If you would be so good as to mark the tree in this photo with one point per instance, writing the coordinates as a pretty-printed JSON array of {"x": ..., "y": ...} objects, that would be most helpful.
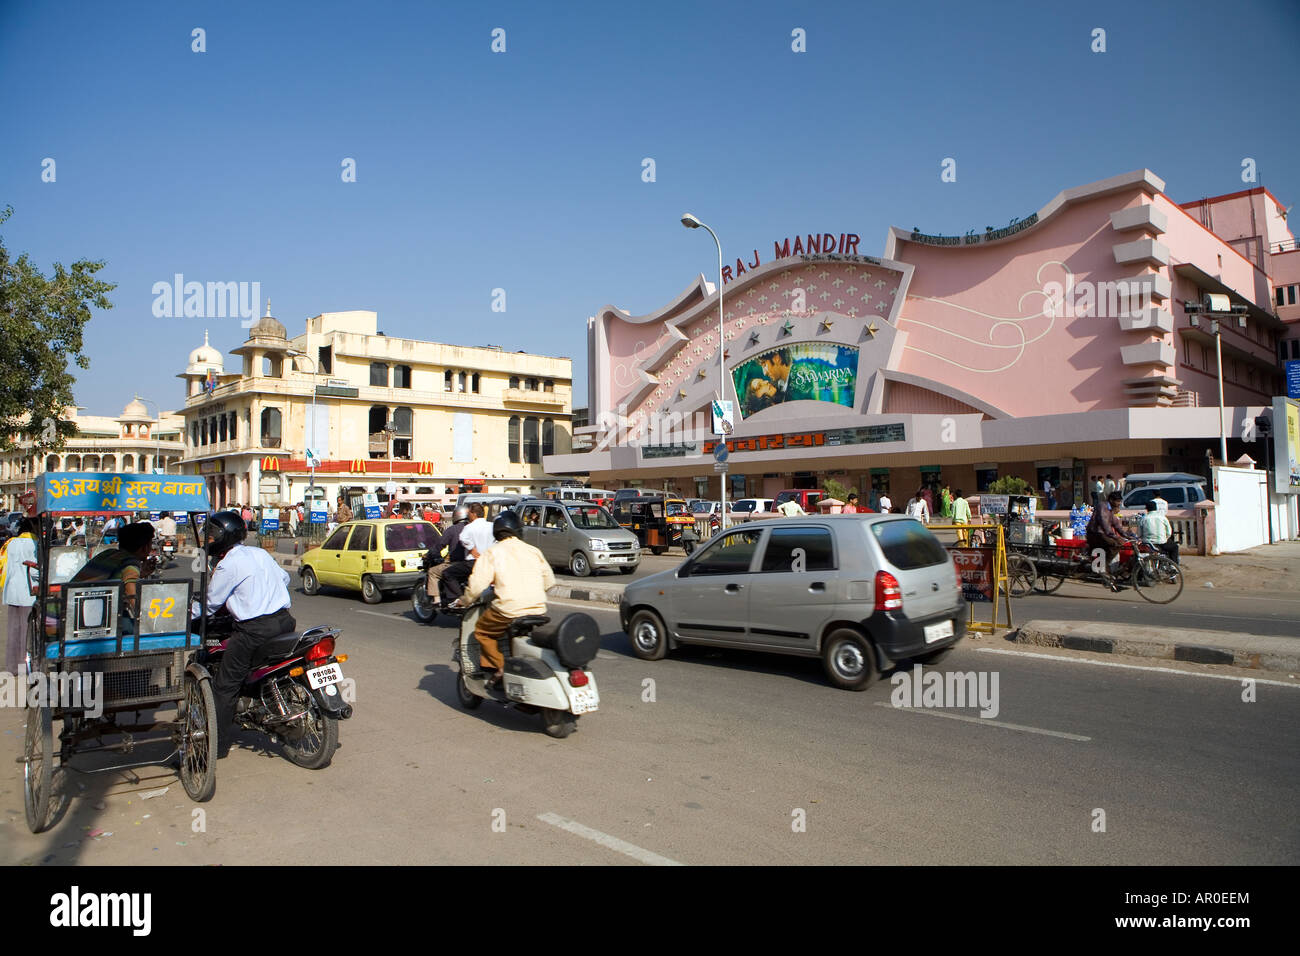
[
  {"x": 835, "y": 490},
  {"x": 1010, "y": 485},
  {"x": 41, "y": 324}
]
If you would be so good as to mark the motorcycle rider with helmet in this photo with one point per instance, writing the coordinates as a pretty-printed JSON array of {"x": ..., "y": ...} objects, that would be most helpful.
[
  {"x": 520, "y": 576},
  {"x": 255, "y": 592},
  {"x": 449, "y": 541}
]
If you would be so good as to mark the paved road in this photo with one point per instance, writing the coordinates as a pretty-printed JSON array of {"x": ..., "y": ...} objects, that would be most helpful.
[{"x": 714, "y": 766}]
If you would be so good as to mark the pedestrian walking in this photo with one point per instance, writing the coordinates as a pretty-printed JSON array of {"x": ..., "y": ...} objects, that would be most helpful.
[
  {"x": 17, "y": 593},
  {"x": 885, "y": 504},
  {"x": 961, "y": 515}
]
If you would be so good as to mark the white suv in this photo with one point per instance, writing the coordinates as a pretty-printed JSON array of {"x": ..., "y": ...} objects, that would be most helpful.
[{"x": 751, "y": 505}]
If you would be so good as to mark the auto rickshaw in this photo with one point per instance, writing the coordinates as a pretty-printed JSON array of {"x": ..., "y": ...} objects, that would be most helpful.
[{"x": 658, "y": 521}]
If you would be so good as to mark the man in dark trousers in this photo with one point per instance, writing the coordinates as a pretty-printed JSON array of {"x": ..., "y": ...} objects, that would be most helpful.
[{"x": 255, "y": 591}]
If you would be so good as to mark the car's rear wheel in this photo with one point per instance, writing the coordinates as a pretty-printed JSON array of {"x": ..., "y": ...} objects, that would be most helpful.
[
  {"x": 310, "y": 584},
  {"x": 849, "y": 659},
  {"x": 370, "y": 592},
  {"x": 649, "y": 639}
]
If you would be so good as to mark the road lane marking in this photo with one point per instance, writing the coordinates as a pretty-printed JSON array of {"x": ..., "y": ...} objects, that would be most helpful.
[
  {"x": 1134, "y": 667},
  {"x": 605, "y": 840},
  {"x": 984, "y": 722},
  {"x": 586, "y": 605},
  {"x": 390, "y": 617}
]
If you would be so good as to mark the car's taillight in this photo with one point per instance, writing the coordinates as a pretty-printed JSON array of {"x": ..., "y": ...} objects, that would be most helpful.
[
  {"x": 889, "y": 596},
  {"x": 577, "y": 678},
  {"x": 388, "y": 566},
  {"x": 321, "y": 650},
  {"x": 957, "y": 571}
]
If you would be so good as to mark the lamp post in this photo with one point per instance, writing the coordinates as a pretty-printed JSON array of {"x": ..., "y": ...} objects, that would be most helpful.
[
  {"x": 1215, "y": 306},
  {"x": 691, "y": 222},
  {"x": 311, "y": 458}
]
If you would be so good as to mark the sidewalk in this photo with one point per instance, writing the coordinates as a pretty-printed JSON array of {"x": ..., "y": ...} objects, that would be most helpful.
[{"x": 1269, "y": 567}]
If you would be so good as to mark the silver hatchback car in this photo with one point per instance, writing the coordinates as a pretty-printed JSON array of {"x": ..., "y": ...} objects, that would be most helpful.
[
  {"x": 859, "y": 591},
  {"x": 578, "y": 535}
]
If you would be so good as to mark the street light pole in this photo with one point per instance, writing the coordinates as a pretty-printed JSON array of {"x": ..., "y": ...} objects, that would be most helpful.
[
  {"x": 1218, "y": 364},
  {"x": 691, "y": 222}
]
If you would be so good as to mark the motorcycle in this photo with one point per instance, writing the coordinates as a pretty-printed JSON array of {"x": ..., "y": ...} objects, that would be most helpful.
[
  {"x": 426, "y": 610},
  {"x": 294, "y": 691},
  {"x": 545, "y": 669}
]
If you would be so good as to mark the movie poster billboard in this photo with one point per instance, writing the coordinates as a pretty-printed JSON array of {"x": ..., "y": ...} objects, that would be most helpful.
[
  {"x": 800, "y": 371},
  {"x": 1286, "y": 446}
]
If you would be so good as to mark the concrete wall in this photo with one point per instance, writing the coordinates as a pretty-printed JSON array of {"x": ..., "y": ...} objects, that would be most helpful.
[{"x": 1241, "y": 516}]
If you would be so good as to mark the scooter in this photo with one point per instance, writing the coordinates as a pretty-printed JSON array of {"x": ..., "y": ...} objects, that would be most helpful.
[
  {"x": 545, "y": 670},
  {"x": 426, "y": 608}
]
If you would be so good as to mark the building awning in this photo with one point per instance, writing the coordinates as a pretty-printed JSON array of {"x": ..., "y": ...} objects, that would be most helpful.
[{"x": 1214, "y": 284}]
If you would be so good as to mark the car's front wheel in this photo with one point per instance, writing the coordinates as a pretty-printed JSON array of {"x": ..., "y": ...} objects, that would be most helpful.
[
  {"x": 849, "y": 659},
  {"x": 579, "y": 566},
  {"x": 649, "y": 639}
]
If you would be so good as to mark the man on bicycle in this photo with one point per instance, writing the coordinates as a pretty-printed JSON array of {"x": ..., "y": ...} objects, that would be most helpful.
[{"x": 1106, "y": 532}]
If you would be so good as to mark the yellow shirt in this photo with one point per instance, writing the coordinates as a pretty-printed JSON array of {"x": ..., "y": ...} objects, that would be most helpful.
[{"x": 519, "y": 574}]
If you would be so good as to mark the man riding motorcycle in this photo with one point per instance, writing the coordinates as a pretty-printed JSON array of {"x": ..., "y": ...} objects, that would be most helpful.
[
  {"x": 520, "y": 576},
  {"x": 450, "y": 541},
  {"x": 475, "y": 538},
  {"x": 255, "y": 592}
]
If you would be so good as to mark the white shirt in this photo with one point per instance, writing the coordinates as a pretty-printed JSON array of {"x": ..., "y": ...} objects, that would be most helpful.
[
  {"x": 249, "y": 583},
  {"x": 917, "y": 508},
  {"x": 885, "y": 504},
  {"x": 167, "y": 526},
  {"x": 477, "y": 535}
]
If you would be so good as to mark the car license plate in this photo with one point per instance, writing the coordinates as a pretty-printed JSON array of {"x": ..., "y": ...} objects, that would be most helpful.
[
  {"x": 585, "y": 700},
  {"x": 320, "y": 676},
  {"x": 937, "y": 632}
]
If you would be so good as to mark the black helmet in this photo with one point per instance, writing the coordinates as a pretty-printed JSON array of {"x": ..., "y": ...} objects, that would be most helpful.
[
  {"x": 507, "y": 525},
  {"x": 223, "y": 531},
  {"x": 460, "y": 514}
]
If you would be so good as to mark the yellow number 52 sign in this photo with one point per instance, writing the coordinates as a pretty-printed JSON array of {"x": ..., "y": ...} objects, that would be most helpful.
[{"x": 165, "y": 607}]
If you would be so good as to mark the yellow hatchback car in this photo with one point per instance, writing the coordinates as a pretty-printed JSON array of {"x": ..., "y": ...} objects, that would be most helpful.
[{"x": 371, "y": 556}]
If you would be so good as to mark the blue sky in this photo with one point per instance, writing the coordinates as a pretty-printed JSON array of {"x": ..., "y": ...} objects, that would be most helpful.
[{"x": 523, "y": 170}]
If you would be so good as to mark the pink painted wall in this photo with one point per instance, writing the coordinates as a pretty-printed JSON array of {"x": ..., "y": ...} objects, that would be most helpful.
[{"x": 1060, "y": 363}]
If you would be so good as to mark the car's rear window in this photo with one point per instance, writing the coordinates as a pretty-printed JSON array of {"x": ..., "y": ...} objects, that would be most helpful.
[
  {"x": 677, "y": 508},
  {"x": 908, "y": 545},
  {"x": 409, "y": 536}
]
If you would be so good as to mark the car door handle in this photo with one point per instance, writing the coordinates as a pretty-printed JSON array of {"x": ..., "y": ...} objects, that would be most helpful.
[
  {"x": 734, "y": 588},
  {"x": 818, "y": 586}
]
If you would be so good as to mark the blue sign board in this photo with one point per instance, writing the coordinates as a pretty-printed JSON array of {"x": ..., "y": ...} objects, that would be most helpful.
[
  {"x": 1293, "y": 379},
  {"x": 320, "y": 517},
  {"x": 106, "y": 492},
  {"x": 270, "y": 524}
]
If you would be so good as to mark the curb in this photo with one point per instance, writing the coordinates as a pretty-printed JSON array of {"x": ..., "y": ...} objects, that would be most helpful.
[
  {"x": 593, "y": 595},
  {"x": 1234, "y": 649}
]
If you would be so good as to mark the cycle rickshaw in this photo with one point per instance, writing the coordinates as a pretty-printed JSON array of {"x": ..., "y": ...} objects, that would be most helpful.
[{"x": 96, "y": 658}]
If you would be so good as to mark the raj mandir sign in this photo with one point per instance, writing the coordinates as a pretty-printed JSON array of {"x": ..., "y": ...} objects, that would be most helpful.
[{"x": 825, "y": 244}]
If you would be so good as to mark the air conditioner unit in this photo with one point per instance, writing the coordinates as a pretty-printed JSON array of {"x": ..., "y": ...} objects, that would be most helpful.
[{"x": 1216, "y": 302}]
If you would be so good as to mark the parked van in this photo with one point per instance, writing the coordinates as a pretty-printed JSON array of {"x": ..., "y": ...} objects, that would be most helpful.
[{"x": 578, "y": 535}]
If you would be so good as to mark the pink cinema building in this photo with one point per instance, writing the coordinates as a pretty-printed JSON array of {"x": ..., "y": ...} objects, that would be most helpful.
[{"x": 1055, "y": 348}]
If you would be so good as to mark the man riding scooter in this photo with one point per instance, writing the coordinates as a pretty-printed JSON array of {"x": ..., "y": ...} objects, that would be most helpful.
[
  {"x": 456, "y": 552},
  {"x": 255, "y": 592},
  {"x": 520, "y": 576}
]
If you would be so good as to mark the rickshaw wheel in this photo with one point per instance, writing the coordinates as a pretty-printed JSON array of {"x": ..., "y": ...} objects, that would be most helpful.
[
  {"x": 199, "y": 740},
  {"x": 38, "y": 759}
]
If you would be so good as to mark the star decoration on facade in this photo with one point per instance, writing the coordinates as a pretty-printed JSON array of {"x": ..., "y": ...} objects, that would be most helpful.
[
  {"x": 787, "y": 328},
  {"x": 753, "y": 338},
  {"x": 726, "y": 354},
  {"x": 681, "y": 393},
  {"x": 871, "y": 329},
  {"x": 704, "y": 370},
  {"x": 826, "y": 324}
]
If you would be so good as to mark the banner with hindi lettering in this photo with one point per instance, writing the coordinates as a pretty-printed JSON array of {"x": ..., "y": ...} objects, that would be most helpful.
[
  {"x": 975, "y": 567},
  {"x": 112, "y": 493}
]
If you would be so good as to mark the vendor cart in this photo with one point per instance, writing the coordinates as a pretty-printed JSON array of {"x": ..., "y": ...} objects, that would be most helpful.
[{"x": 101, "y": 662}]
